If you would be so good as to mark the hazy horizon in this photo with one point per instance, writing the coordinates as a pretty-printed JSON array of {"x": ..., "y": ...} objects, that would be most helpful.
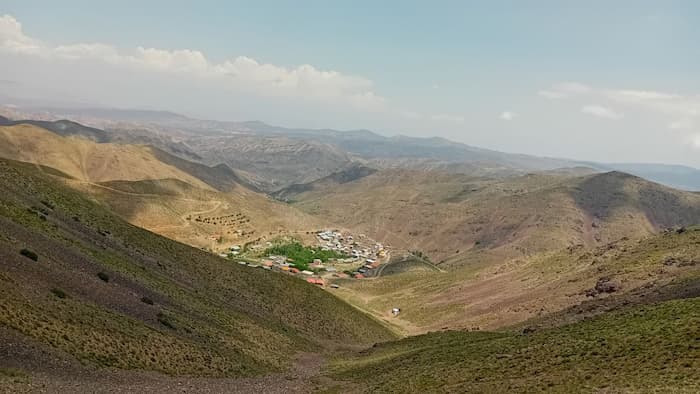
[{"x": 606, "y": 83}]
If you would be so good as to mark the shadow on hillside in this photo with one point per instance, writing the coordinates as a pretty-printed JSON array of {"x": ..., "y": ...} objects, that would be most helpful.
[{"x": 601, "y": 195}]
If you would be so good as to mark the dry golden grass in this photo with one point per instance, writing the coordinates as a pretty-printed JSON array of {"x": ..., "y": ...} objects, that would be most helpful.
[
  {"x": 86, "y": 160},
  {"x": 133, "y": 182}
]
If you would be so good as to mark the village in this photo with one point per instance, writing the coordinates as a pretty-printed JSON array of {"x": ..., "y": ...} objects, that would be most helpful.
[{"x": 336, "y": 255}]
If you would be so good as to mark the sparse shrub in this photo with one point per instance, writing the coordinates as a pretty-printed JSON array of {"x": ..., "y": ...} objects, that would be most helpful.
[
  {"x": 163, "y": 319},
  {"x": 147, "y": 300},
  {"x": 59, "y": 293},
  {"x": 47, "y": 204},
  {"x": 29, "y": 254},
  {"x": 104, "y": 277}
]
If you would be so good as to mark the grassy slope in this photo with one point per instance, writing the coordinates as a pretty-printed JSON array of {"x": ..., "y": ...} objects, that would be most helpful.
[
  {"x": 209, "y": 317},
  {"x": 653, "y": 348}
]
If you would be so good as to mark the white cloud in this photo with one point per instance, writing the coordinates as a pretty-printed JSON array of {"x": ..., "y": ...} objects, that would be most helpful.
[
  {"x": 679, "y": 106},
  {"x": 695, "y": 141},
  {"x": 304, "y": 81},
  {"x": 507, "y": 115},
  {"x": 601, "y": 112},
  {"x": 640, "y": 95},
  {"x": 682, "y": 124},
  {"x": 12, "y": 39},
  {"x": 677, "y": 112}
]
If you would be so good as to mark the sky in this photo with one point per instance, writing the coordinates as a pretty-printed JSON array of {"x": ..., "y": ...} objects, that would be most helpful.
[{"x": 610, "y": 81}]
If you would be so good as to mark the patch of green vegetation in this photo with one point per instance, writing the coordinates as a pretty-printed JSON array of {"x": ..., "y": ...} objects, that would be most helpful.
[
  {"x": 301, "y": 255},
  {"x": 13, "y": 375},
  {"x": 103, "y": 277},
  {"x": 653, "y": 348},
  {"x": 11, "y": 372},
  {"x": 59, "y": 293},
  {"x": 166, "y": 321}
]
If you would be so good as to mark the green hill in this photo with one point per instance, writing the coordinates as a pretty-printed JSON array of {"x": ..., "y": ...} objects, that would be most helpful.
[
  {"x": 653, "y": 348},
  {"x": 77, "y": 279}
]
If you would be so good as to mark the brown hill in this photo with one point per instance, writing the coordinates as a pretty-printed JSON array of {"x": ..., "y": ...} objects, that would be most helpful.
[
  {"x": 458, "y": 219},
  {"x": 202, "y": 206},
  {"x": 349, "y": 174},
  {"x": 87, "y": 160},
  {"x": 201, "y": 217},
  {"x": 552, "y": 288},
  {"x": 272, "y": 162}
]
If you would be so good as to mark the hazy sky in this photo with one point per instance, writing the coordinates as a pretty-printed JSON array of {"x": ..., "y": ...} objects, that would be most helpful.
[{"x": 598, "y": 80}]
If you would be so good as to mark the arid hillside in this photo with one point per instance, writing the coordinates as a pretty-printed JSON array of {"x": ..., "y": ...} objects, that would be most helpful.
[
  {"x": 458, "y": 220},
  {"x": 497, "y": 295},
  {"x": 210, "y": 207},
  {"x": 272, "y": 162},
  {"x": 85, "y": 159},
  {"x": 201, "y": 217}
]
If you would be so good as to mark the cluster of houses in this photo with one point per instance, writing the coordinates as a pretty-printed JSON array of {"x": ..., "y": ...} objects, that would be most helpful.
[
  {"x": 363, "y": 256},
  {"x": 280, "y": 263},
  {"x": 361, "y": 249},
  {"x": 358, "y": 248}
]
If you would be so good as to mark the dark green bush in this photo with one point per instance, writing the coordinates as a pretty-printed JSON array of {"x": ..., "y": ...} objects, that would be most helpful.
[
  {"x": 59, "y": 293},
  {"x": 147, "y": 300},
  {"x": 163, "y": 319},
  {"x": 29, "y": 254},
  {"x": 104, "y": 277}
]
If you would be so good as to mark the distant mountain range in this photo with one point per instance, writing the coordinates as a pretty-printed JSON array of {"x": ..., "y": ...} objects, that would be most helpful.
[{"x": 273, "y": 157}]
